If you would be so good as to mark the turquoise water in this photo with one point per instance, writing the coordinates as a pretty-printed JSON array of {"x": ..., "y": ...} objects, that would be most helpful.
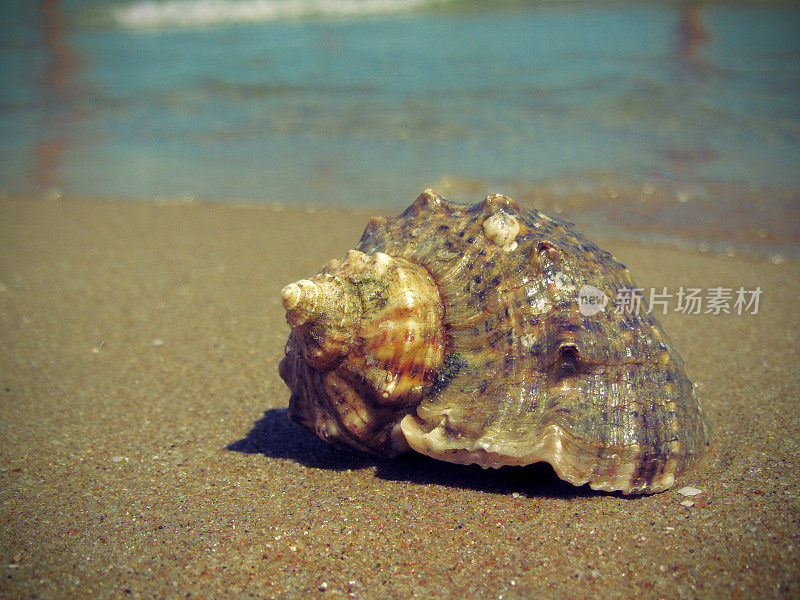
[{"x": 366, "y": 102}]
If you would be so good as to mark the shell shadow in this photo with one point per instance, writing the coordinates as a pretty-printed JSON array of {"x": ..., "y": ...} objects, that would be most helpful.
[
  {"x": 276, "y": 436},
  {"x": 533, "y": 481}
]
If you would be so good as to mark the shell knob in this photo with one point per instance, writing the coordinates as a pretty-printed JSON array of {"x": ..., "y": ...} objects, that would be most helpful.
[{"x": 502, "y": 229}]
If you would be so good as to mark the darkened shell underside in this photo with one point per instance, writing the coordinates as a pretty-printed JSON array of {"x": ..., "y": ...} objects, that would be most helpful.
[{"x": 522, "y": 375}]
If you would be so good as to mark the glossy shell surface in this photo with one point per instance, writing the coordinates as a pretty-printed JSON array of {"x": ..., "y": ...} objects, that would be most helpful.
[{"x": 459, "y": 332}]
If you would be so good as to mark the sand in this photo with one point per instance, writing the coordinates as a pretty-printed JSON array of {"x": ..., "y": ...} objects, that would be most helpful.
[{"x": 145, "y": 450}]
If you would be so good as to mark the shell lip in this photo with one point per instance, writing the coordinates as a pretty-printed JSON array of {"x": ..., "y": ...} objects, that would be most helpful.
[{"x": 561, "y": 449}]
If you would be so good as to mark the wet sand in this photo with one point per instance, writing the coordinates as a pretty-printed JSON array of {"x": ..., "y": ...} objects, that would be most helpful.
[{"x": 145, "y": 450}]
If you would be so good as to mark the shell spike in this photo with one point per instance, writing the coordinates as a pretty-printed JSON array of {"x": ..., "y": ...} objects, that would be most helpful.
[
  {"x": 355, "y": 259},
  {"x": 498, "y": 202},
  {"x": 427, "y": 201},
  {"x": 375, "y": 224}
]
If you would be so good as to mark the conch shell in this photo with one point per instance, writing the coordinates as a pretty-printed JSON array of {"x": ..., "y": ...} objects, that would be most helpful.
[{"x": 458, "y": 332}]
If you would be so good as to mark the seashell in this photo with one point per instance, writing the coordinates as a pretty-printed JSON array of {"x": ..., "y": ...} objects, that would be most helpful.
[{"x": 459, "y": 332}]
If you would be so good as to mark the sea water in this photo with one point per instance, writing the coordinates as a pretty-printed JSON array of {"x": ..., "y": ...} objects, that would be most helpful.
[{"x": 693, "y": 109}]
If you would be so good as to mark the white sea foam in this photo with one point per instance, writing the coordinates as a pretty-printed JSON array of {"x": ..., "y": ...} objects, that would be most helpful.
[{"x": 203, "y": 13}]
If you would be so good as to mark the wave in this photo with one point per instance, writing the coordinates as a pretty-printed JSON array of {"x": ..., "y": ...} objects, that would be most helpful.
[{"x": 153, "y": 14}]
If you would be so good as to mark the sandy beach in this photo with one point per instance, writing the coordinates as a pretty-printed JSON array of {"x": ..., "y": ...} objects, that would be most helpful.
[{"x": 145, "y": 450}]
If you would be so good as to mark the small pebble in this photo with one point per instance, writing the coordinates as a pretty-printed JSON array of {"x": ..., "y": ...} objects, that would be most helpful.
[
  {"x": 323, "y": 586},
  {"x": 54, "y": 193},
  {"x": 687, "y": 503},
  {"x": 689, "y": 491},
  {"x": 777, "y": 259}
]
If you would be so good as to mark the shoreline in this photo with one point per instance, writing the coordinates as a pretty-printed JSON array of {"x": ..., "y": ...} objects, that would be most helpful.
[
  {"x": 144, "y": 445},
  {"x": 607, "y": 213}
]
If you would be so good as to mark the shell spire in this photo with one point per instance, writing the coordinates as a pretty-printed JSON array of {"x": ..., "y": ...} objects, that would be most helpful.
[
  {"x": 299, "y": 301},
  {"x": 369, "y": 331}
]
